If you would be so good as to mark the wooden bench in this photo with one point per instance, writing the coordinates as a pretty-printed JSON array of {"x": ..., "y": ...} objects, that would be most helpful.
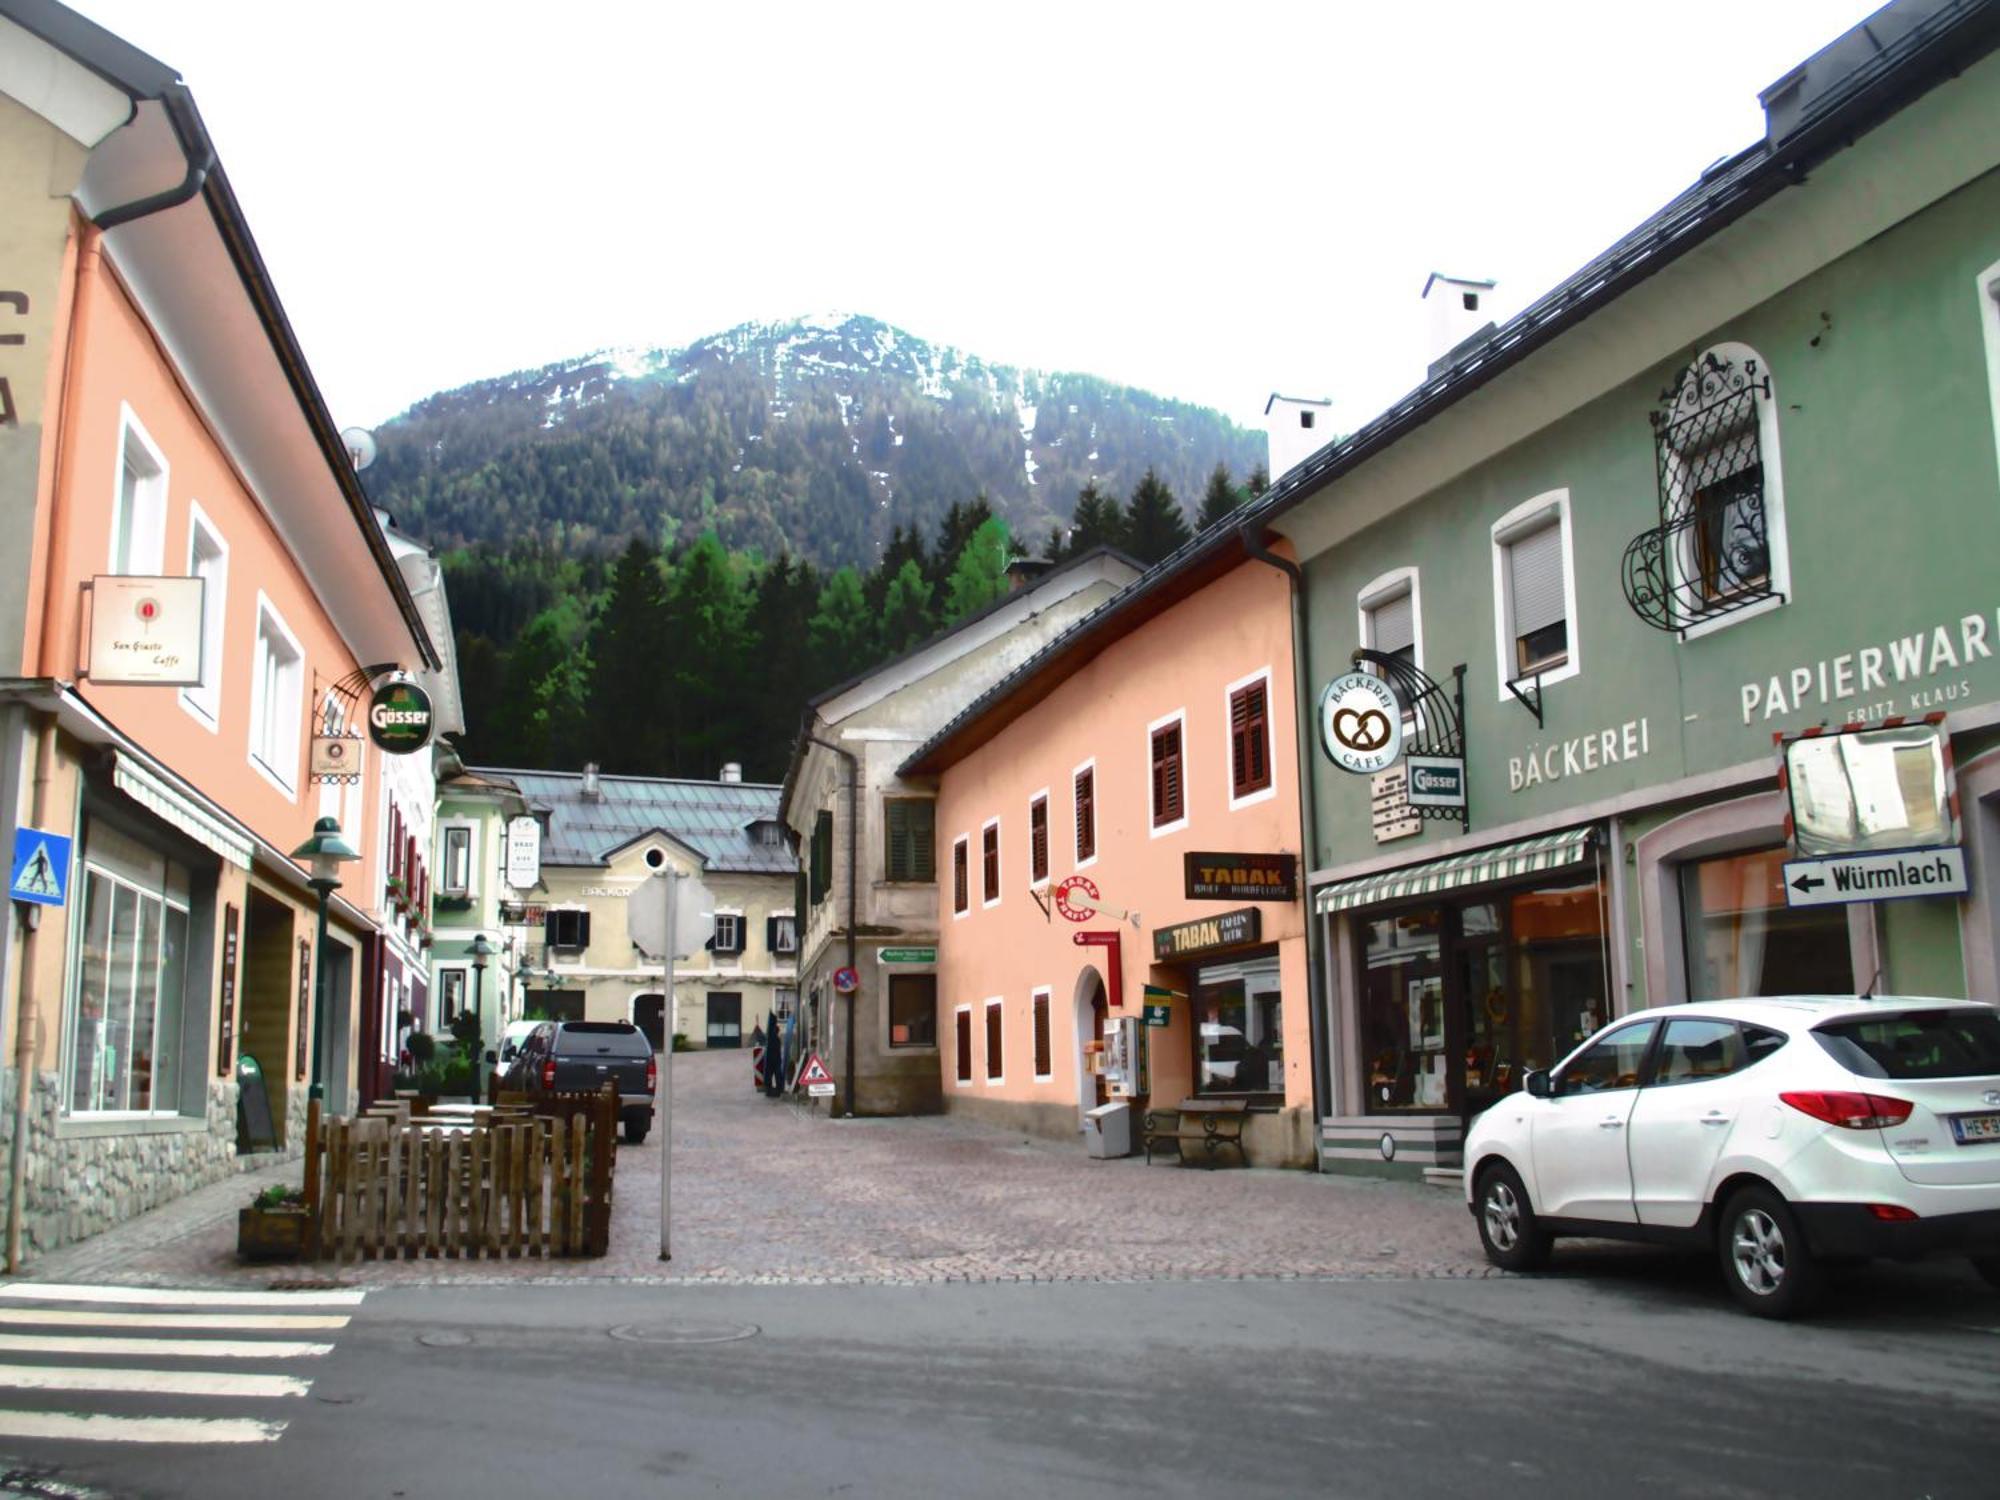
[{"x": 1209, "y": 1125}]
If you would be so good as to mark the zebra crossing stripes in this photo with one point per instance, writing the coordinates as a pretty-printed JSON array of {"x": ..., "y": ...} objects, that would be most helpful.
[{"x": 157, "y": 1365}]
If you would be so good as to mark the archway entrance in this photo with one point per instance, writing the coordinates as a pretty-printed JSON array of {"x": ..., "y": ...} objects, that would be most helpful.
[{"x": 1091, "y": 1008}]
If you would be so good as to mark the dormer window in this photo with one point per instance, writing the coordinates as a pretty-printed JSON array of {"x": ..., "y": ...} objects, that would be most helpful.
[
  {"x": 1306, "y": 418},
  {"x": 1471, "y": 301}
]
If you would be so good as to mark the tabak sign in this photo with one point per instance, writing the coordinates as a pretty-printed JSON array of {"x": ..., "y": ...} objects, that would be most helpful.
[
  {"x": 1230, "y": 929},
  {"x": 400, "y": 717},
  {"x": 1242, "y": 877}
]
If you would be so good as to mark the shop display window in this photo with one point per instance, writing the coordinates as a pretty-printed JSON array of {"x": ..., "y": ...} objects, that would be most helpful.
[
  {"x": 1239, "y": 1033},
  {"x": 913, "y": 1010},
  {"x": 129, "y": 981},
  {"x": 1742, "y": 939}
]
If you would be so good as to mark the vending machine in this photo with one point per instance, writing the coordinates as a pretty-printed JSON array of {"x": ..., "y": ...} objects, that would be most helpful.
[{"x": 1124, "y": 1057}]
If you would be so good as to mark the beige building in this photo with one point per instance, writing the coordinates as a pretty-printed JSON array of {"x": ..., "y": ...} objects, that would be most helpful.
[{"x": 604, "y": 839}]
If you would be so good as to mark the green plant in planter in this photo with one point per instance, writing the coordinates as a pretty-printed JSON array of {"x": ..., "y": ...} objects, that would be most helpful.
[
  {"x": 277, "y": 1195},
  {"x": 423, "y": 1047},
  {"x": 681, "y": 1042}
]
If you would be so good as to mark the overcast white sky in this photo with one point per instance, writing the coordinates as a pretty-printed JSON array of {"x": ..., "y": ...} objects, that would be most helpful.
[{"x": 1210, "y": 201}]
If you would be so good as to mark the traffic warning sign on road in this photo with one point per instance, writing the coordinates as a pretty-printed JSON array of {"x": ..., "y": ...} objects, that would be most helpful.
[{"x": 814, "y": 1076}]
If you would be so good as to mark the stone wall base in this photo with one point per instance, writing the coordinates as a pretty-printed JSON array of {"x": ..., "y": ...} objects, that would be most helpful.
[{"x": 1281, "y": 1139}]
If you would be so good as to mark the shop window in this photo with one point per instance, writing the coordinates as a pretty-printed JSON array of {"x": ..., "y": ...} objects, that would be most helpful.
[
  {"x": 989, "y": 863},
  {"x": 1615, "y": 1062},
  {"x": 1085, "y": 793},
  {"x": 1534, "y": 593},
  {"x": 1168, "y": 780},
  {"x": 139, "y": 510},
  {"x": 1742, "y": 939},
  {"x": 126, "y": 1006},
  {"x": 961, "y": 884},
  {"x": 1239, "y": 1040},
  {"x": 1249, "y": 739},
  {"x": 208, "y": 560},
  {"x": 1044, "y": 1052},
  {"x": 910, "y": 827},
  {"x": 962, "y": 1041},
  {"x": 995, "y": 1059},
  {"x": 277, "y": 702},
  {"x": 1038, "y": 838},
  {"x": 913, "y": 1010},
  {"x": 457, "y": 860}
]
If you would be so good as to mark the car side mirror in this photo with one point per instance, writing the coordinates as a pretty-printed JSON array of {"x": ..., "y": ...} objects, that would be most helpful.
[{"x": 1538, "y": 1083}]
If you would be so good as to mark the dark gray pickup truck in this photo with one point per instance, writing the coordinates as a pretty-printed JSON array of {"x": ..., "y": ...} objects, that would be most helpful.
[{"x": 580, "y": 1057}]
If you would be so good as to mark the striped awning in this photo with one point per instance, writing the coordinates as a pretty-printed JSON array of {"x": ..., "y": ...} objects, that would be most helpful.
[
  {"x": 1551, "y": 851},
  {"x": 180, "y": 809}
]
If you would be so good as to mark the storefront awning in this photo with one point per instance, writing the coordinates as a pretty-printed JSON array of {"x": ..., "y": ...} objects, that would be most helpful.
[
  {"x": 1503, "y": 862},
  {"x": 182, "y": 811}
]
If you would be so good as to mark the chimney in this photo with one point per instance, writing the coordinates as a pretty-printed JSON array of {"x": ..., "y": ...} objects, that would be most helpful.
[
  {"x": 1295, "y": 428},
  {"x": 591, "y": 790},
  {"x": 1459, "y": 309},
  {"x": 732, "y": 772}
]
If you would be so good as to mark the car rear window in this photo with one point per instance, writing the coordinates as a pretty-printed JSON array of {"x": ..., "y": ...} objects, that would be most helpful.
[
  {"x": 1916, "y": 1044},
  {"x": 601, "y": 1038}
]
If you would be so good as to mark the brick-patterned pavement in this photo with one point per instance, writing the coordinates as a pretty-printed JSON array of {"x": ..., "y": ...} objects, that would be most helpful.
[{"x": 763, "y": 1192}]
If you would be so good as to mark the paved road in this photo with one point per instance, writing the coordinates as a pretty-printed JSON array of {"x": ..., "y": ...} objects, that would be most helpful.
[{"x": 1630, "y": 1377}]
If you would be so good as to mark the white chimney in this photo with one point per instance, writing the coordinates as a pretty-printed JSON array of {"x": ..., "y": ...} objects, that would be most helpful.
[
  {"x": 591, "y": 791},
  {"x": 1458, "y": 309},
  {"x": 732, "y": 772},
  {"x": 1295, "y": 428}
]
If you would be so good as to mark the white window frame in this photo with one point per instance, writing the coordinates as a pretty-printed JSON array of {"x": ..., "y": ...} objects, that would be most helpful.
[
  {"x": 1987, "y": 284},
  {"x": 445, "y": 831},
  {"x": 999, "y": 859},
  {"x": 1046, "y": 993},
  {"x": 203, "y": 701},
  {"x": 1391, "y": 586},
  {"x": 1263, "y": 794},
  {"x": 960, "y": 913},
  {"x": 147, "y": 550},
  {"x": 971, "y": 1073},
  {"x": 1048, "y": 813},
  {"x": 1153, "y": 827},
  {"x": 1779, "y": 561},
  {"x": 445, "y": 1011},
  {"x": 82, "y": 869},
  {"x": 991, "y": 1079},
  {"x": 1528, "y": 516},
  {"x": 288, "y": 748},
  {"x": 1096, "y": 823},
  {"x": 786, "y": 915},
  {"x": 732, "y": 914}
]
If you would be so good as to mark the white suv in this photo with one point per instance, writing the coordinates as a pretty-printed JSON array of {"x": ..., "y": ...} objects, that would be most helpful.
[{"x": 1781, "y": 1132}]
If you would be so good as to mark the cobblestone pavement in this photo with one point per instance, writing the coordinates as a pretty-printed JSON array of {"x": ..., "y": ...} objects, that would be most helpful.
[{"x": 765, "y": 1192}]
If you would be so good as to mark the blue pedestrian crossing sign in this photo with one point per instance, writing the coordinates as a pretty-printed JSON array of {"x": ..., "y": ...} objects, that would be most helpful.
[{"x": 41, "y": 867}]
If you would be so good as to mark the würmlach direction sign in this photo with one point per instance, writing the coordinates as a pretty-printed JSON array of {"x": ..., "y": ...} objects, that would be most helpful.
[{"x": 1839, "y": 879}]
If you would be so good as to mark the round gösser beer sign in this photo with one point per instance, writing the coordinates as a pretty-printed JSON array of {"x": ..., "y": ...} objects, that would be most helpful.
[
  {"x": 1360, "y": 723},
  {"x": 399, "y": 717}
]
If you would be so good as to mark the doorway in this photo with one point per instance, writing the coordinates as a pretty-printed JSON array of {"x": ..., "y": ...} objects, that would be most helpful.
[
  {"x": 1091, "y": 1009},
  {"x": 649, "y": 1014},
  {"x": 269, "y": 983},
  {"x": 725, "y": 1019}
]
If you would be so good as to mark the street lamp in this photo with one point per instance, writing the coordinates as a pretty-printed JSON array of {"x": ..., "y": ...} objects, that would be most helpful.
[
  {"x": 481, "y": 951},
  {"x": 327, "y": 851}
]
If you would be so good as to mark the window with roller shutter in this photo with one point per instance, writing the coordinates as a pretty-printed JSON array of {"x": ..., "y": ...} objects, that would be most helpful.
[
  {"x": 1168, "y": 789},
  {"x": 1249, "y": 739},
  {"x": 1392, "y": 626},
  {"x": 1538, "y": 607}
]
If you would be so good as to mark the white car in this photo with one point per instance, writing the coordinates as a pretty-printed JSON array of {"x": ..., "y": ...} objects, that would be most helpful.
[{"x": 1782, "y": 1133}]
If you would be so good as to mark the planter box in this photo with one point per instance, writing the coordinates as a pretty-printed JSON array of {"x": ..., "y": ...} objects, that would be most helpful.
[{"x": 271, "y": 1233}]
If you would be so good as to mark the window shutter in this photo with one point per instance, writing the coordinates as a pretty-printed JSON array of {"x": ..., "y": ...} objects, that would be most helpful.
[
  {"x": 1167, "y": 789},
  {"x": 989, "y": 852},
  {"x": 1043, "y": 1066},
  {"x": 1038, "y": 838},
  {"x": 960, "y": 894},
  {"x": 1249, "y": 740},
  {"x": 1534, "y": 572},
  {"x": 1392, "y": 625},
  {"x": 963, "y": 1037},
  {"x": 550, "y": 935},
  {"x": 1086, "y": 814},
  {"x": 770, "y": 934},
  {"x": 923, "y": 840},
  {"x": 994, "y": 1067},
  {"x": 896, "y": 826},
  {"x": 583, "y": 929}
]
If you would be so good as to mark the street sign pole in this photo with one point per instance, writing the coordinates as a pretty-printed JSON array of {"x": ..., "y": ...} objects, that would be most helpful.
[{"x": 664, "y": 1104}]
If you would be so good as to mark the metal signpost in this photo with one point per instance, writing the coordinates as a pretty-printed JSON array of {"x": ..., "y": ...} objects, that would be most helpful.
[{"x": 660, "y": 925}]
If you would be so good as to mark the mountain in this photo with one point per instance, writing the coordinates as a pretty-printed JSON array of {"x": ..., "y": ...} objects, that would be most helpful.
[{"x": 814, "y": 436}]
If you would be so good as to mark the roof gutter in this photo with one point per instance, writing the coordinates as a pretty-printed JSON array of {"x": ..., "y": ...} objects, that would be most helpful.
[{"x": 200, "y": 162}]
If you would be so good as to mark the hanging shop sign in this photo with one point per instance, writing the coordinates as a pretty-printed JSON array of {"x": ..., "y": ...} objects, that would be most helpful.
[
  {"x": 1875, "y": 877},
  {"x": 1360, "y": 723},
  {"x": 1436, "y": 780},
  {"x": 225, "y": 1031},
  {"x": 524, "y": 852},
  {"x": 146, "y": 630},
  {"x": 1077, "y": 898},
  {"x": 1230, "y": 929},
  {"x": 400, "y": 717},
  {"x": 336, "y": 758},
  {"x": 1242, "y": 877}
]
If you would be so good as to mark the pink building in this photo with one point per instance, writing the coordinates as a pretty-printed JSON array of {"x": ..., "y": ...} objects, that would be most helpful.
[{"x": 1152, "y": 751}]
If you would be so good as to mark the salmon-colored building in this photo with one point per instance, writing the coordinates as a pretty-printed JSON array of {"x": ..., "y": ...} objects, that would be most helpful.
[
  {"x": 1151, "y": 751},
  {"x": 192, "y": 584}
]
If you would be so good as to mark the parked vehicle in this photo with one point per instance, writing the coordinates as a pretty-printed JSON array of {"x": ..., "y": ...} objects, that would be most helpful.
[
  {"x": 502, "y": 1058},
  {"x": 1782, "y": 1134},
  {"x": 580, "y": 1057}
]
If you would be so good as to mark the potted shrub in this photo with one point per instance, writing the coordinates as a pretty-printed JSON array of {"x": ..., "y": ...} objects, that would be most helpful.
[{"x": 273, "y": 1227}]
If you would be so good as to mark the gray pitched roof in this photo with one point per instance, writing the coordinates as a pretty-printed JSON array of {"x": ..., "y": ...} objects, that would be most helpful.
[{"x": 711, "y": 817}]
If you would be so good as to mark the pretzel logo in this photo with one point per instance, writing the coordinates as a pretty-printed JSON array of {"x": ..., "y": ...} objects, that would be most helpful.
[
  {"x": 1367, "y": 730},
  {"x": 1361, "y": 723}
]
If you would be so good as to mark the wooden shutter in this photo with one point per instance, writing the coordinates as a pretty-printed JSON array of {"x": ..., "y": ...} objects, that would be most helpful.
[
  {"x": 1043, "y": 1065},
  {"x": 1168, "y": 793},
  {"x": 822, "y": 856},
  {"x": 1038, "y": 839},
  {"x": 964, "y": 1041},
  {"x": 961, "y": 896},
  {"x": 994, "y": 1068},
  {"x": 1249, "y": 740},
  {"x": 1535, "y": 578},
  {"x": 989, "y": 860},
  {"x": 1086, "y": 814},
  {"x": 911, "y": 825}
]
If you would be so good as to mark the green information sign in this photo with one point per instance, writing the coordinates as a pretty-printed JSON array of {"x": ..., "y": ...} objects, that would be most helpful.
[
  {"x": 1156, "y": 1015},
  {"x": 907, "y": 955}
]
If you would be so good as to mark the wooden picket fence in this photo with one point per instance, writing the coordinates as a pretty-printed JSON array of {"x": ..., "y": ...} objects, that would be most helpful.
[{"x": 518, "y": 1182}]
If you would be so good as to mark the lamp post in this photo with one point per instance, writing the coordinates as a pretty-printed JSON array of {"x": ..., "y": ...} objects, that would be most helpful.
[
  {"x": 481, "y": 951},
  {"x": 327, "y": 851}
]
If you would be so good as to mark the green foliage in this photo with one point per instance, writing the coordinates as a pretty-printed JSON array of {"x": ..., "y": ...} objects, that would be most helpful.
[
  {"x": 1154, "y": 523},
  {"x": 681, "y": 1042},
  {"x": 277, "y": 1195},
  {"x": 1097, "y": 522},
  {"x": 840, "y": 636},
  {"x": 1220, "y": 499},
  {"x": 980, "y": 575},
  {"x": 906, "y": 609},
  {"x": 423, "y": 1047}
]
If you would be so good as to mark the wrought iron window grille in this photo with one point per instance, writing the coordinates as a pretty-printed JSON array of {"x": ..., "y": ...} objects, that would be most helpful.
[{"x": 1711, "y": 554}]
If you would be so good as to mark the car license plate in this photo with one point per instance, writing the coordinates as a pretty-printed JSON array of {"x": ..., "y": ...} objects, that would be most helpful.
[{"x": 1971, "y": 1129}]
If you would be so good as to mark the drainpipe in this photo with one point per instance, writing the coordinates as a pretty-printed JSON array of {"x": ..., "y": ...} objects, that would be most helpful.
[
  {"x": 853, "y": 886},
  {"x": 25, "y": 1019},
  {"x": 1308, "y": 820}
]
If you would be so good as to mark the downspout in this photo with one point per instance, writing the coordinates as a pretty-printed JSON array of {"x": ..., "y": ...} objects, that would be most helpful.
[
  {"x": 26, "y": 1021},
  {"x": 200, "y": 158},
  {"x": 1308, "y": 821},
  {"x": 853, "y": 888}
]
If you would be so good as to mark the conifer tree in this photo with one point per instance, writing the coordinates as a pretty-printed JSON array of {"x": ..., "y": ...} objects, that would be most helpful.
[
  {"x": 1221, "y": 498},
  {"x": 704, "y": 670},
  {"x": 1154, "y": 522},
  {"x": 1096, "y": 522},
  {"x": 840, "y": 632},
  {"x": 906, "y": 610},
  {"x": 1259, "y": 481},
  {"x": 980, "y": 575},
  {"x": 957, "y": 528},
  {"x": 630, "y": 725}
]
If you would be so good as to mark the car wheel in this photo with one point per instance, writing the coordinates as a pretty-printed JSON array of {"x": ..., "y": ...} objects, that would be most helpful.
[
  {"x": 1512, "y": 1236},
  {"x": 635, "y": 1132},
  {"x": 1988, "y": 1266},
  {"x": 1765, "y": 1261}
]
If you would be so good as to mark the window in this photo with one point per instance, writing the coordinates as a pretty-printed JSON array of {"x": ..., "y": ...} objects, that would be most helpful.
[
  {"x": 1694, "y": 1050},
  {"x": 1613, "y": 1063},
  {"x": 725, "y": 1019},
  {"x": 1534, "y": 592},
  {"x": 1470, "y": 301},
  {"x": 781, "y": 932},
  {"x": 1306, "y": 418},
  {"x": 1920, "y": 1044},
  {"x": 451, "y": 995},
  {"x": 1391, "y": 616},
  {"x": 1239, "y": 1042},
  {"x": 995, "y": 1071},
  {"x": 961, "y": 898},
  {"x": 457, "y": 860},
  {"x": 1169, "y": 792},
  {"x": 1044, "y": 1053},
  {"x": 785, "y": 1002},
  {"x": 962, "y": 1042},
  {"x": 1743, "y": 938},
  {"x": 820, "y": 863},
  {"x": 1988, "y": 288},
  {"x": 1038, "y": 838},
  {"x": 913, "y": 1010},
  {"x": 766, "y": 834},
  {"x": 989, "y": 863},
  {"x": 1085, "y": 792},
  {"x": 728, "y": 933},
  {"x": 277, "y": 699},
  {"x": 129, "y": 980},
  {"x": 139, "y": 509},
  {"x": 208, "y": 559},
  {"x": 567, "y": 928},
  {"x": 1249, "y": 738},
  {"x": 910, "y": 827}
]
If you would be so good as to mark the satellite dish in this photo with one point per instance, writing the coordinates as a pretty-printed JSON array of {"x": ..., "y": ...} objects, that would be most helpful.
[{"x": 360, "y": 445}]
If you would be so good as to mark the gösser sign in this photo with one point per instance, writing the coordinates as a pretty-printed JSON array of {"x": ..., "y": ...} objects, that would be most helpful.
[
  {"x": 1360, "y": 723},
  {"x": 399, "y": 717}
]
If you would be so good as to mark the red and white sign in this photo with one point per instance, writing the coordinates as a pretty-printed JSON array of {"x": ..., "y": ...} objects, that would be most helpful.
[
  {"x": 814, "y": 1071},
  {"x": 845, "y": 981},
  {"x": 1077, "y": 898}
]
